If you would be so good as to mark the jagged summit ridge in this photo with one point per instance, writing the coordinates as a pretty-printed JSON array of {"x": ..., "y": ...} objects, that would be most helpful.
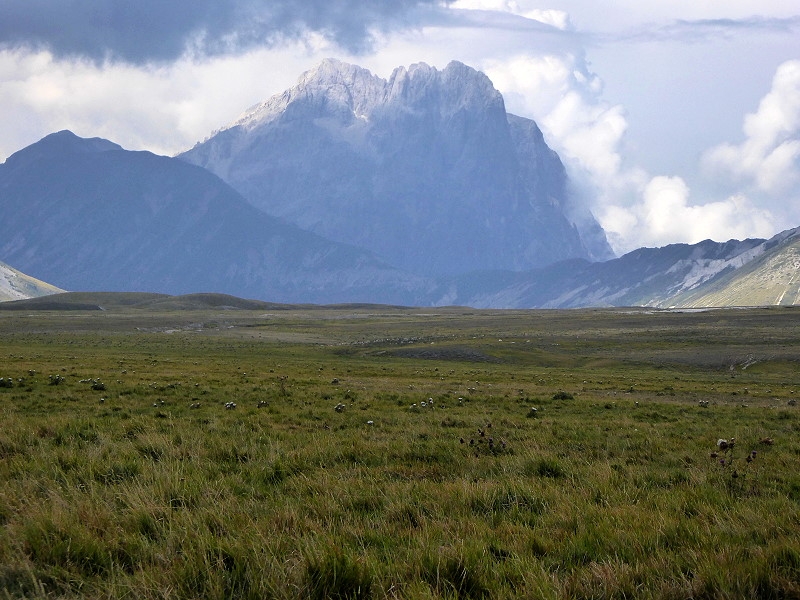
[
  {"x": 332, "y": 81},
  {"x": 352, "y": 89}
]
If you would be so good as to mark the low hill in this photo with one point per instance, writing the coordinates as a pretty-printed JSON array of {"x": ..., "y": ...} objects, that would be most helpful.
[{"x": 114, "y": 301}]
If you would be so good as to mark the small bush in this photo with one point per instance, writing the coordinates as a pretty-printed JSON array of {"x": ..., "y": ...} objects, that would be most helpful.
[{"x": 563, "y": 396}]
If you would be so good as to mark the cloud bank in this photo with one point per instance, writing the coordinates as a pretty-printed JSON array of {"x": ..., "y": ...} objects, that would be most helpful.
[
  {"x": 155, "y": 30},
  {"x": 637, "y": 208}
]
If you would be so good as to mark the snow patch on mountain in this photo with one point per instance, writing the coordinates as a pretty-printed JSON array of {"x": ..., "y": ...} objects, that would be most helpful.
[{"x": 699, "y": 270}]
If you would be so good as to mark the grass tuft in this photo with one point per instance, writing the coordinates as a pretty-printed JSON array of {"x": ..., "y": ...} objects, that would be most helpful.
[
  {"x": 333, "y": 574},
  {"x": 459, "y": 575}
]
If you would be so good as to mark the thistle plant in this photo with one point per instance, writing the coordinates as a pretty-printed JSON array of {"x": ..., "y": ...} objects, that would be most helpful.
[{"x": 736, "y": 468}]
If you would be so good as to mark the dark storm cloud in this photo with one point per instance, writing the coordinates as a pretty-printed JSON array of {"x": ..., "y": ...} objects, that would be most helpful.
[{"x": 145, "y": 30}]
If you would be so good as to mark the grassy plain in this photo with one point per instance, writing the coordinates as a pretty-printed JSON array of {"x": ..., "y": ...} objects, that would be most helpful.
[{"x": 124, "y": 475}]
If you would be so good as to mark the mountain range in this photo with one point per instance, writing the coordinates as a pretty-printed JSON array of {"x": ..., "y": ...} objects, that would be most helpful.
[
  {"x": 417, "y": 190},
  {"x": 752, "y": 272}
]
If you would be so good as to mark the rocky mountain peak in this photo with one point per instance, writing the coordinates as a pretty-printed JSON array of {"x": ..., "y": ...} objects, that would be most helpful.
[
  {"x": 425, "y": 169},
  {"x": 339, "y": 89},
  {"x": 455, "y": 88}
]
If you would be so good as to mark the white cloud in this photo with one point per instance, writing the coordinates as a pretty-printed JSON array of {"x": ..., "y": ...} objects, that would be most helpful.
[
  {"x": 589, "y": 134},
  {"x": 664, "y": 216},
  {"x": 634, "y": 207},
  {"x": 769, "y": 158},
  {"x": 555, "y": 18},
  {"x": 163, "y": 108}
]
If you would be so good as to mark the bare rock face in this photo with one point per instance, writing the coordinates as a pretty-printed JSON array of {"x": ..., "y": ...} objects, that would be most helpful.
[{"x": 425, "y": 169}]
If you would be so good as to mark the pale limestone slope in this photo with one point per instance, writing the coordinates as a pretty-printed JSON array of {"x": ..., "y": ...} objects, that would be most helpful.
[
  {"x": 15, "y": 285},
  {"x": 772, "y": 279}
]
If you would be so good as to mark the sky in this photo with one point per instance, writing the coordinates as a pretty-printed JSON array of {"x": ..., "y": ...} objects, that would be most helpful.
[{"x": 677, "y": 120}]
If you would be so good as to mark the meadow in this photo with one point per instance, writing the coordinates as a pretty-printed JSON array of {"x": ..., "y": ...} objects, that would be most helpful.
[{"x": 192, "y": 450}]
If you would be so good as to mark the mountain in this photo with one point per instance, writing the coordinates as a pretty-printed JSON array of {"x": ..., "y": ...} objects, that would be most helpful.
[
  {"x": 752, "y": 272},
  {"x": 772, "y": 278},
  {"x": 425, "y": 169},
  {"x": 85, "y": 214},
  {"x": 15, "y": 285}
]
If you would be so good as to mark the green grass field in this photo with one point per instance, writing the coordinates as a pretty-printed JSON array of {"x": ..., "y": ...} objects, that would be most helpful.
[{"x": 379, "y": 452}]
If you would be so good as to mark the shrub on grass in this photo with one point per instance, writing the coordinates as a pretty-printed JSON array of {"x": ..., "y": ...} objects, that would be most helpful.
[{"x": 56, "y": 379}]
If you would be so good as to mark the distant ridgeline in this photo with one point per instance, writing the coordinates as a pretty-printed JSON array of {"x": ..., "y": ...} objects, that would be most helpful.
[{"x": 416, "y": 190}]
